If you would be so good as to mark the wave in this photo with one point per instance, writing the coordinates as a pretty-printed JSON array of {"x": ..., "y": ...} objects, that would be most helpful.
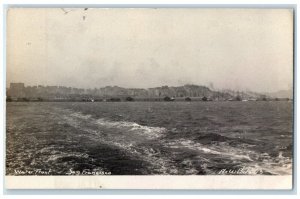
[
  {"x": 183, "y": 143},
  {"x": 54, "y": 153},
  {"x": 251, "y": 161},
  {"x": 150, "y": 132},
  {"x": 212, "y": 148},
  {"x": 55, "y": 157},
  {"x": 279, "y": 165},
  {"x": 161, "y": 164},
  {"x": 128, "y": 136},
  {"x": 80, "y": 115}
]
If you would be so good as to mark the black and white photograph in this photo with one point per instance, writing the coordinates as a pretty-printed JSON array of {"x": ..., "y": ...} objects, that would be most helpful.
[{"x": 149, "y": 92}]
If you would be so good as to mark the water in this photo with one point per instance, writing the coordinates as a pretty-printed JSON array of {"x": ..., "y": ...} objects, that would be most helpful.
[{"x": 142, "y": 138}]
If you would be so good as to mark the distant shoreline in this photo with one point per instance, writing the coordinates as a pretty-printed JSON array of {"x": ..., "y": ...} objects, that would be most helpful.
[
  {"x": 192, "y": 99},
  {"x": 189, "y": 92}
]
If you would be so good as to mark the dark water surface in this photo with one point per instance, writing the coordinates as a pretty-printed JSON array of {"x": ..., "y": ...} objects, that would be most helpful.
[{"x": 133, "y": 138}]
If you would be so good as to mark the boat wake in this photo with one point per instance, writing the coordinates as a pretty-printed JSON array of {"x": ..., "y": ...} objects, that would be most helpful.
[{"x": 176, "y": 156}]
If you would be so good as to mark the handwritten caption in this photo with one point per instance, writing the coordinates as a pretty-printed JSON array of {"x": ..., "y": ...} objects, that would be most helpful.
[
  {"x": 32, "y": 172},
  {"x": 87, "y": 172},
  {"x": 240, "y": 171},
  {"x": 69, "y": 172}
]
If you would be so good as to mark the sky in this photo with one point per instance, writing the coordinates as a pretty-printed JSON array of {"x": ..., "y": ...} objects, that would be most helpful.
[{"x": 240, "y": 49}]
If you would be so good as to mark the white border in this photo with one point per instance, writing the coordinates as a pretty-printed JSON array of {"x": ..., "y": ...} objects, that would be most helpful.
[{"x": 151, "y": 182}]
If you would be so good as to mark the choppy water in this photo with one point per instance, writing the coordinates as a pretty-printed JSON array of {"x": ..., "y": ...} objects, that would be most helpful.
[{"x": 134, "y": 138}]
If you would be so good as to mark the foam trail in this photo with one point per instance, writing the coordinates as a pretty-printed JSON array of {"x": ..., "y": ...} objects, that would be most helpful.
[
  {"x": 160, "y": 164},
  {"x": 148, "y": 131}
]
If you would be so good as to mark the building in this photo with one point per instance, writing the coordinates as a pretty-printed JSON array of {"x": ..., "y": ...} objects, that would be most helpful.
[{"x": 17, "y": 90}]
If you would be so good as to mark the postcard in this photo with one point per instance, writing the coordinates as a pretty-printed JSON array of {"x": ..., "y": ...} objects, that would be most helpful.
[{"x": 149, "y": 98}]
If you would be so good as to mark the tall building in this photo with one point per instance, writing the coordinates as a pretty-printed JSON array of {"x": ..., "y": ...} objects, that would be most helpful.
[{"x": 17, "y": 90}]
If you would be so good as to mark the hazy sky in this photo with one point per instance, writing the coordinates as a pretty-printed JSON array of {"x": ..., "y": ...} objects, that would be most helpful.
[{"x": 245, "y": 49}]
